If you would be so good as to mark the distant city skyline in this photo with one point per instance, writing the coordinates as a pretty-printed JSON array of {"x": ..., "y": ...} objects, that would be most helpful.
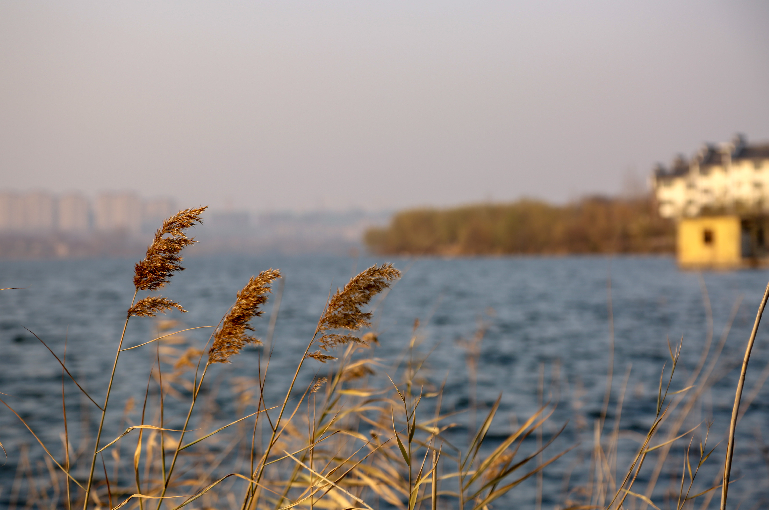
[
  {"x": 38, "y": 224},
  {"x": 302, "y": 106},
  {"x": 41, "y": 212}
]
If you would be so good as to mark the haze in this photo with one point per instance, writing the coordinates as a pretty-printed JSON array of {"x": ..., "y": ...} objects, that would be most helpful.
[{"x": 375, "y": 105}]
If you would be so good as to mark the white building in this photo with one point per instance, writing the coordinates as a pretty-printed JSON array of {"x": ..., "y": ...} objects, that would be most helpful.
[
  {"x": 74, "y": 213},
  {"x": 10, "y": 212},
  {"x": 27, "y": 212},
  {"x": 118, "y": 211},
  {"x": 731, "y": 177},
  {"x": 39, "y": 211}
]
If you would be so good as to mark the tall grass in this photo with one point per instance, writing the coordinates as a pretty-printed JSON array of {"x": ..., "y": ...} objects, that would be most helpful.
[{"x": 365, "y": 435}]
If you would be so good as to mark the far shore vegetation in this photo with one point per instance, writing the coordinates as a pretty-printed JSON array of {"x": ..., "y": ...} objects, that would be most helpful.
[{"x": 593, "y": 224}]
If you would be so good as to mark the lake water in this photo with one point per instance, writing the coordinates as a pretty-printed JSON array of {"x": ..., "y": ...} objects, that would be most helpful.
[{"x": 544, "y": 318}]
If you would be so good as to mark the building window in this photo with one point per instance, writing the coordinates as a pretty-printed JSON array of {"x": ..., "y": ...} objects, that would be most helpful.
[{"x": 707, "y": 236}]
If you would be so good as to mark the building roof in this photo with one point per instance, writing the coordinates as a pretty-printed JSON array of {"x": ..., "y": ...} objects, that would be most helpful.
[
  {"x": 755, "y": 151},
  {"x": 678, "y": 168},
  {"x": 710, "y": 155}
]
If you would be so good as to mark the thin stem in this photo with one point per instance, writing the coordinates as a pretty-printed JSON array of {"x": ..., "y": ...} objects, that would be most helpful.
[
  {"x": 276, "y": 426},
  {"x": 66, "y": 431},
  {"x": 104, "y": 407},
  {"x": 333, "y": 385},
  {"x": 195, "y": 391},
  {"x": 737, "y": 396}
]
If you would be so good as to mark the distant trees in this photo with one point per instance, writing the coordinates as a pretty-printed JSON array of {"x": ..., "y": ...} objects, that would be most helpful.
[{"x": 591, "y": 225}]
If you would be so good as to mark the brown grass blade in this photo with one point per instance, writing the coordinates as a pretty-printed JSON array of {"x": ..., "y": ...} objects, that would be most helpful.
[
  {"x": 224, "y": 427},
  {"x": 163, "y": 336},
  {"x": 641, "y": 497},
  {"x": 41, "y": 443},
  {"x": 106, "y": 477},
  {"x": 737, "y": 396},
  {"x": 65, "y": 369},
  {"x": 131, "y": 428},
  {"x": 208, "y": 488},
  {"x": 355, "y": 498},
  {"x": 503, "y": 490}
]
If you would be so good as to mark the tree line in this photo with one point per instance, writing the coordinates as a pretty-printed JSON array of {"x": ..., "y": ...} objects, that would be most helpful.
[{"x": 594, "y": 224}]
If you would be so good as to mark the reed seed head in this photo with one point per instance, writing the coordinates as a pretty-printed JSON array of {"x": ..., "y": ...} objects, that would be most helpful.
[
  {"x": 152, "y": 305},
  {"x": 162, "y": 258},
  {"x": 231, "y": 337},
  {"x": 318, "y": 355},
  {"x": 344, "y": 309},
  {"x": 185, "y": 360},
  {"x": 318, "y": 384},
  {"x": 357, "y": 371}
]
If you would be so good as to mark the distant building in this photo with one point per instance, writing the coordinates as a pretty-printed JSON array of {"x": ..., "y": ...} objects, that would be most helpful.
[
  {"x": 729, "y": 178},
  {"x": 39, "y": 211},
  {"x": 10, "y": 212},
  {"x": 118, "y": 211},
  {"x": 74, "y": 213},
  {"x": 720, "y": 199},
  {"x": 27, "y": 212}
]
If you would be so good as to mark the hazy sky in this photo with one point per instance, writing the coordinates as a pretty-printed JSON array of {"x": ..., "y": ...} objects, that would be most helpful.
[{"x": 381, "y": 105}]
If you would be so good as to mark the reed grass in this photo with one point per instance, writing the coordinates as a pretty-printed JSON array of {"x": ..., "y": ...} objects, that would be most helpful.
[{"x": 351, "y": 438}]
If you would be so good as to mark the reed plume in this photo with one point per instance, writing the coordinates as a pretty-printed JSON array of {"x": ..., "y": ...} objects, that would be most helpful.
[
  {"x": 344, "y": 307},
  {"x": 161, "y": 261},
  {"x": 163, "y": 258},
  {"x": 318, "y": 384},
  {"x": 231, "y": 337},
  {"x": 152, "y": 305}
]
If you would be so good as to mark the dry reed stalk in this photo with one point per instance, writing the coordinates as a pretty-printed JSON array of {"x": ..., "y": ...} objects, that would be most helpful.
[
  {"x": 737, "y": 396},
  {"x": 332, "y": 472},
  {"x": 66, "y": 430},
  {"x": 229, "y": 340},
  {"x": 705, "y": 384},
  {"x": 640, "y": 457},
  {"x": 690, "y": 383},
  {"x": 343, "y": 311},
  {"x": 161, "y": 261},
  {"x": 331, "y": 397}
]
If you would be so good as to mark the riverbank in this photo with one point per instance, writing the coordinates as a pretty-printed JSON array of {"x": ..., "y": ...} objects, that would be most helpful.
[{"x": 590, "y": 225}]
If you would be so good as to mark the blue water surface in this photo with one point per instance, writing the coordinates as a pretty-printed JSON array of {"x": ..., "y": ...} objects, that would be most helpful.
[{"x": 547, "y": 338}]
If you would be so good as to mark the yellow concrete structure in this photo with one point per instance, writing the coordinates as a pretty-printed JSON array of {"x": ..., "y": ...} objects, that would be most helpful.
[
  {"x": 727, "y": 241},
  {"x": 710, "y": 241}
]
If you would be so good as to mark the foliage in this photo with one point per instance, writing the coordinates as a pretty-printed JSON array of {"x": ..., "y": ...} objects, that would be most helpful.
[{"x": 591, "y": 225}]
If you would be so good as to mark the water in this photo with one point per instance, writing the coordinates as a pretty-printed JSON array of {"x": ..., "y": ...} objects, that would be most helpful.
[{"x": 544, "y": 318}]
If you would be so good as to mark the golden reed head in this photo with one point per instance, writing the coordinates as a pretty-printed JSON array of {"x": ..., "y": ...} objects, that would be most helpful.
[
  {"x": 160, "y": 262},
  {"x": 163, "y": 258},
  {"x": 231, "y": 337},
  {"x": 152, "y": 305},
  {"x": 344, "y": 309}
]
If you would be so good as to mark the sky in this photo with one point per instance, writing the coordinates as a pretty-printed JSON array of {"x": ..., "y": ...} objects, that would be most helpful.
[{"x": 335, "y": 105}]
